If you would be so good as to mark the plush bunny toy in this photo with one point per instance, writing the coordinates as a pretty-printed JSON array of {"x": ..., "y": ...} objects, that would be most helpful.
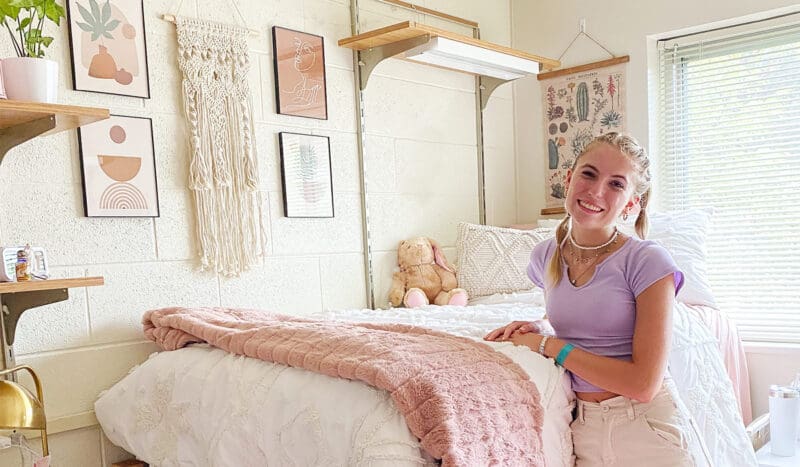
[{"x": 425, "y": 276}]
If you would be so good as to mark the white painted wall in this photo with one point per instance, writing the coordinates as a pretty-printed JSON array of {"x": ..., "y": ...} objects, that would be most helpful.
[
  {"x": 421, "y": 173},
  {"x": 622, "y": 26}
]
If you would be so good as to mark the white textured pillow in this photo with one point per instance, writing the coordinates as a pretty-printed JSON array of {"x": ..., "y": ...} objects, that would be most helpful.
[
  {"x": 548, "y": 223},
  {"x": 494, "y": 259},
  {"x": 683, "y": 234},
  {"x": 533, "y": 296}
]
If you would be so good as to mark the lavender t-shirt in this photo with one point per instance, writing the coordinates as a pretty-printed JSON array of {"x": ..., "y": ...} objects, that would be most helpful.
[{"x": 599, "y": 316}]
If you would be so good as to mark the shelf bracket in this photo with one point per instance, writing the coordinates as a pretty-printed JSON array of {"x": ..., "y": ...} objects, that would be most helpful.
[
  {"x": 18, "y": 134},
  {"x": 368, "y": 59},
  {"x": 12, "y": 305},
  {"x": 488, "y": 84}
]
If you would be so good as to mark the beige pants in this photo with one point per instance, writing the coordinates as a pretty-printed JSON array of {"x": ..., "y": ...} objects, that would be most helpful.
[{"x": 621, "y": 432}]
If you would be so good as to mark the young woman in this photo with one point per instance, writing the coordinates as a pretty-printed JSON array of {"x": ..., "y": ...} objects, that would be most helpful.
[{"x": 609, "y": 300}]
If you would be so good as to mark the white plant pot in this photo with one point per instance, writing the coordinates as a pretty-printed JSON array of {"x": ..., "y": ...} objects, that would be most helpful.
[{"x": 31, "y": 79}]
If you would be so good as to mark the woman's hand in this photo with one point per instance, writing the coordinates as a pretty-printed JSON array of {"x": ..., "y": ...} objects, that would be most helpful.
[
  {"x": 541, "y": 326},
  {"x": 528, "y": 339}
]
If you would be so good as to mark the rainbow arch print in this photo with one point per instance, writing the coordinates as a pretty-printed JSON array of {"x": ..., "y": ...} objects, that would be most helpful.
[
  {"x": 118, "y": 168},
  {"x": 122, "y": 196}
]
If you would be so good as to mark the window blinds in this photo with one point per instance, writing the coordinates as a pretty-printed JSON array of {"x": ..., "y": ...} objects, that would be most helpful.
[{"x": 729, "y": 137}]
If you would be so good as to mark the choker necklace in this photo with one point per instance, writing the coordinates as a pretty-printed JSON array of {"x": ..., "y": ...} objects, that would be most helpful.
[
  {"x": 596, "y": 253},
  {"x": 598, "y": 247}
]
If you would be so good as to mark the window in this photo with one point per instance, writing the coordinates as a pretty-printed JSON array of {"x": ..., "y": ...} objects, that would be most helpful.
[{"x": 729, "y": 137}]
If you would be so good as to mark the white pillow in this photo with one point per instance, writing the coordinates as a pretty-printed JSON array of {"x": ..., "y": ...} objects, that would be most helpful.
[
  {"x": 494, "y": 259},
  {"x": 548, "y": 223},
  {"x": 534, "y": 296},
  {"x": 683, "y": 234}
]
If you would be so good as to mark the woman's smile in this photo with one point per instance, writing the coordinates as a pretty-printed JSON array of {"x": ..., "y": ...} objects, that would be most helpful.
[{"x": 588, "y": 206}]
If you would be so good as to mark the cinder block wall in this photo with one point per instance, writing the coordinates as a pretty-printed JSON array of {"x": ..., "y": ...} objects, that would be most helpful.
[{"x": 421, "y": 174}]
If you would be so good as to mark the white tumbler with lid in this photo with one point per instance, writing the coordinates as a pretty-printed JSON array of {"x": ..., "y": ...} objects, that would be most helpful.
[{"x": 784, "y": 408}]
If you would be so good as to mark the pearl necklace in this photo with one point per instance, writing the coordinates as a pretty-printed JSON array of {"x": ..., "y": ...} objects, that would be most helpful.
[
  {"x": 592, "y": 260},
  {"x": 598, "y": 247}
]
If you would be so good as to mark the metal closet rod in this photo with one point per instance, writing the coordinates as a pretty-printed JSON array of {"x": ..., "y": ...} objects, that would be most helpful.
[{"x": 428, "y": 11}]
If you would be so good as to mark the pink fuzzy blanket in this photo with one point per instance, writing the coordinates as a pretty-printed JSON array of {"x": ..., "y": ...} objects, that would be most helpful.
[{"x": 468, "y": 404}]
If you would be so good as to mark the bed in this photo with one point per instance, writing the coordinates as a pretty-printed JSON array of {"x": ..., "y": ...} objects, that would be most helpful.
[
  {"x": 203, "y": 406},
  {"x": 269, "y": 414}
]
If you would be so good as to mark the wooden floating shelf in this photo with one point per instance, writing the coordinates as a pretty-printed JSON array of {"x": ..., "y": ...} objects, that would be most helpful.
[
  {"x": 34, "y": 285},
  {"x": 410, "y": 29},
  {"x": 67, "y": 117},
  {"x": 18, "y": 297}
]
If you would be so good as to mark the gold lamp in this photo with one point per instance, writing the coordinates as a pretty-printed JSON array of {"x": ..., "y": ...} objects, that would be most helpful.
[{"x": 19, "y": 409}]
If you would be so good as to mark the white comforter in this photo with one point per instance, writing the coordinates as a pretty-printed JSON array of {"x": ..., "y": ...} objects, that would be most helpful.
[
  {"x": 201, "y": 406},
  {"x": 706, "y": 389}
]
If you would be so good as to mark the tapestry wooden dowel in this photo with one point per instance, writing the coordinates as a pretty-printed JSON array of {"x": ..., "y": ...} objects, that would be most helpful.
[
  {"x": 552, "y": 211},
  {"x": 585, "y": 67},
  {"x": 171, "y": 19}
]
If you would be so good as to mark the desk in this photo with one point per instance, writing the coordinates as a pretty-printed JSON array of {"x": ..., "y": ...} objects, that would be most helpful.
[{"x": 767, "y": 459}]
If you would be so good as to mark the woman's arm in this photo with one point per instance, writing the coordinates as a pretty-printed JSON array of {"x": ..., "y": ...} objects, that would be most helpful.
[{"x": 641, "y": 378}]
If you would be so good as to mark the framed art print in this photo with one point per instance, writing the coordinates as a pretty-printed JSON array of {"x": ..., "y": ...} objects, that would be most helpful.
[
  {"x": 299, "y": 60},
  {"x": 109, "y": 50},
  {"x": 118, "y": 168},
  {"x": 307, "y": 179}
]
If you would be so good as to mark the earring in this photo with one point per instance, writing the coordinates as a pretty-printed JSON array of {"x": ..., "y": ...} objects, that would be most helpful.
[{"x": 624, "y": 215}]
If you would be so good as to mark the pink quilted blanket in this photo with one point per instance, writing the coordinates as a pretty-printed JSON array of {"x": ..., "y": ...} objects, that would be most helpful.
[{"x": 468, "y": 404}]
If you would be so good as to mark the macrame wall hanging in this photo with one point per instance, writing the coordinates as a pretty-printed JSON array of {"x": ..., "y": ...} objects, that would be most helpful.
[{"x": 224, "y": 179}]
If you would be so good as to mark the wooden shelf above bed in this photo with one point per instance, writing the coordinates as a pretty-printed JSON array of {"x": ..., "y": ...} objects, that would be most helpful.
[
  {"x": 491, "y": 63},
  {"x": 410, "y": 29}
]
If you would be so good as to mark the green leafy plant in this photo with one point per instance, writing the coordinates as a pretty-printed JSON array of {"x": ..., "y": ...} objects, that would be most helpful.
[
  {"x": 24, "y": 20},
  {"x": 98, "y": 22}
]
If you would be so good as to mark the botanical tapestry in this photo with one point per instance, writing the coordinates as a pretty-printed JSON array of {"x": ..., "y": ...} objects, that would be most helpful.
[{"x": 577, "y": 107}]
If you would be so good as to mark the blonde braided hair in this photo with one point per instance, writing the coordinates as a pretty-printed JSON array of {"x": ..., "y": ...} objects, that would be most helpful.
[{"x": 631, "y": 148}]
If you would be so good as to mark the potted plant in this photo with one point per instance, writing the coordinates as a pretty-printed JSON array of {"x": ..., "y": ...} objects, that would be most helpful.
[{"x": 29, "y": 76}]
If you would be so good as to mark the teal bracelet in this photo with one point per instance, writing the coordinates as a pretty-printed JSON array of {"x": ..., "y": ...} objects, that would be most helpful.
[{"x": 562, "y": 355}]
